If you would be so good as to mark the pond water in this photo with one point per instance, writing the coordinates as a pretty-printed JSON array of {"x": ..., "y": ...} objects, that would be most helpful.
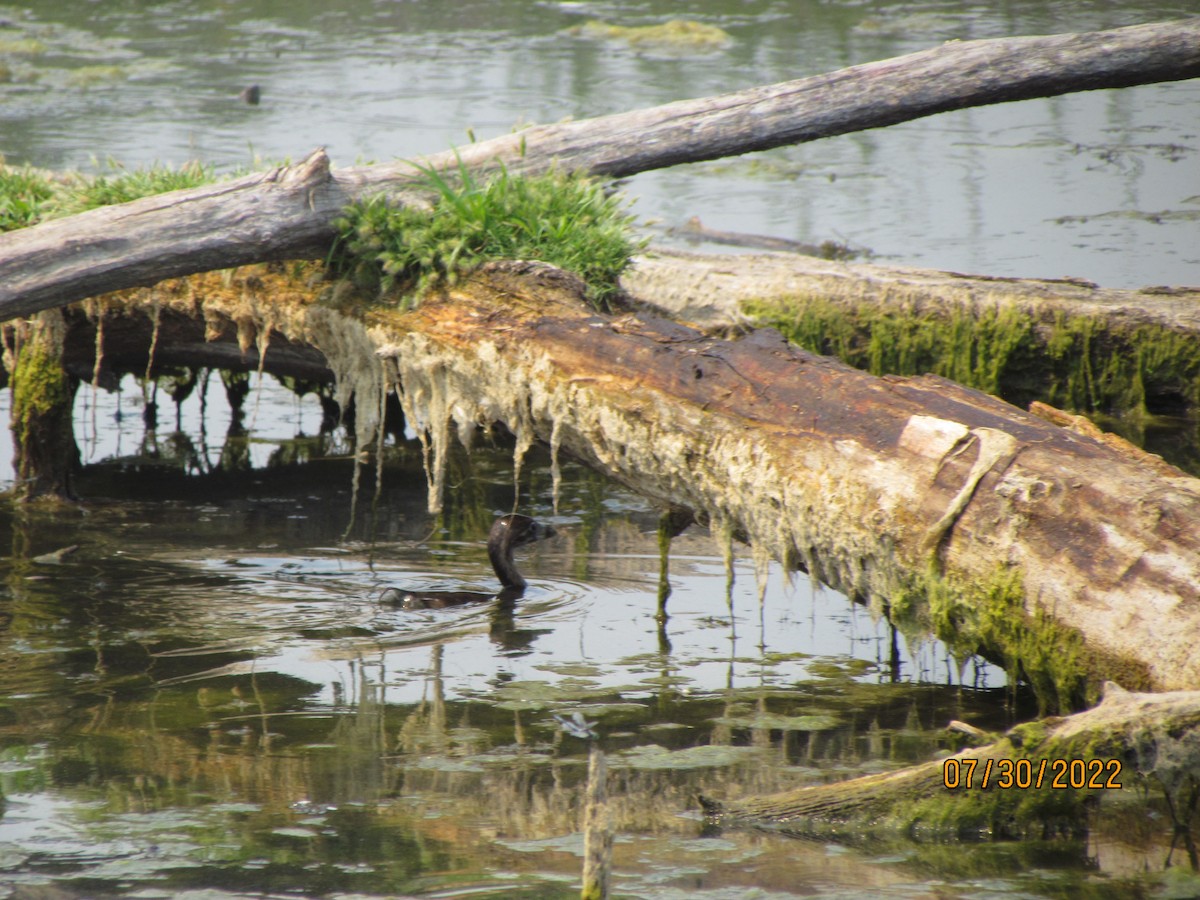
[
  {"x": 206, "y": 699},
  {"x": 207, "y": 696}
]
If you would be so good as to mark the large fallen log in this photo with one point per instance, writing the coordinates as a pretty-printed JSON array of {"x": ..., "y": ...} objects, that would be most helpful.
[
  {"x": 288, "y": 213},
  {"x": 1040, "y": 780},
  {"x": 1067, "y": 559},
  {"x": 1066, "y": 341}
]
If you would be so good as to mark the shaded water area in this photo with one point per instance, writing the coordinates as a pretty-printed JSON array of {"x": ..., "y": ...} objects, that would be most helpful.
[{"x": 206, "y": 695}]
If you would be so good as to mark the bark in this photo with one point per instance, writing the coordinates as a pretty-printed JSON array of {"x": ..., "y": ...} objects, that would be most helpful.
[
  {"x": 1143, "y": 741},
  {"x": 288, "y": 213},
  {"x": 1070, "y": 560}
]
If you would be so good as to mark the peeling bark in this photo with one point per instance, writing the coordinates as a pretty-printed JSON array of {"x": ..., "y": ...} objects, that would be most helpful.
[{"x": 288, "y": 212}]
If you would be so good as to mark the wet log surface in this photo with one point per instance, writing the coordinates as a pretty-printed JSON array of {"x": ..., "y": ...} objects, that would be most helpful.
[
  {"x": 1130, "y": 741},
  {"x": 867, "y": 482},
  {"x": 288, "y": 213}
]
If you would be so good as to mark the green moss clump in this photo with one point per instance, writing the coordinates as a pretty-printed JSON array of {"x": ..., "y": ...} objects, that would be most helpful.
[
  {"x": 1072, "y": 362},
  {"x": 39, "y": 386},
  {"x": 989, "y": 618},
  {"x": 28, "y": 196},
  {"x": 566, "y": 220}
]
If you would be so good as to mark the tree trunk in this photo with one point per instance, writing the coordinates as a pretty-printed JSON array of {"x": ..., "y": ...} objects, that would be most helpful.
[
  {"x": 288, "y": 213},
  {"x": 1024, "y": 339},
  {"x": 43, "y": 396}
]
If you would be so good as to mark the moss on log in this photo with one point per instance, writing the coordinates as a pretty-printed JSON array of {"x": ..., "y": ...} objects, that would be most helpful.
[
  {"x": 1042, "y": 779},
  {"x": 1065, "y": 342},
  {"x": 945, "y": 507},
  {"x": 43, "y": 395}
]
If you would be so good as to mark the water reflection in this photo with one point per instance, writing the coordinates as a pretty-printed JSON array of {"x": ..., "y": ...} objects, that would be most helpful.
[{"x": 206, "y": 694}]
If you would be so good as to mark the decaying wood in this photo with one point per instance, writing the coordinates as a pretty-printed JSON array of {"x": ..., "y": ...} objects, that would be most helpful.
[
  {"x": 1152, "y": 741},
  {"x": 710, "y": 290},
  {"x": 862, "y": 480},
  {"x": 288, "y": 213}
]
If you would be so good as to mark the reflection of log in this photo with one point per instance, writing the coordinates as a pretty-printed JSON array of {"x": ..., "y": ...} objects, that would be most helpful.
[
  {"x": 1129, "y": 740},
  {"x": 287, "y": 213},
  {"x": 1069, "y": 560}
]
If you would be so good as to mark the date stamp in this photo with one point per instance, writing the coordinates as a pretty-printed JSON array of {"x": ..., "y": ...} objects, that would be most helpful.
[{"x": 1031, "y": 774}]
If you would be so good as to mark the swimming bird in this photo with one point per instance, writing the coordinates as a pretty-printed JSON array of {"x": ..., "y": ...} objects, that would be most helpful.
[{"x": 507, "y": 534}]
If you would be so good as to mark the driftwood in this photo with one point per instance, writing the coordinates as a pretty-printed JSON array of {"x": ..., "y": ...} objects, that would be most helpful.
[
  {"x": 1068, "y": 558},
  {"x": 288, "y": 213},
  {"x": 1037, "y": 781}
]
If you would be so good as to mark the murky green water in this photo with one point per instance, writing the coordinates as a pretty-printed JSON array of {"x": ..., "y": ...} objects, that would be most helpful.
[
  {"x": 206, "y": 695},
  {"x": 205, "y": 699}
]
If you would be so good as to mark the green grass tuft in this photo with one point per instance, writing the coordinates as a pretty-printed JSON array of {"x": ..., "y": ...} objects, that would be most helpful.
[
  {"x": 565, "y": 220},
  {"x": 28, "y": 196},
  {"x": 106, "y": 190},
  {"x": 24, "y": 195}
]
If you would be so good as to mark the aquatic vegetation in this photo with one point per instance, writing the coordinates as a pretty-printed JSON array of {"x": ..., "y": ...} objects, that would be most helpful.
[
  {"x": 89, "y": 76},
  {"x": 566, "y": 220},
  {"x": 674, "y": 35},
  {"x": 22, "y": 47}
]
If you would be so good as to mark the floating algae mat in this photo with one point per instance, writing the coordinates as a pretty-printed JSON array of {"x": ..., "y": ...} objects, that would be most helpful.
[{"x": 677, "y": 36}]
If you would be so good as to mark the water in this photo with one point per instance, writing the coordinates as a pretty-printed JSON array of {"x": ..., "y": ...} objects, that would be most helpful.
[
  {"x": 205, "y": 698},
  {"x": 1101, "y": 185},
  {"x": 206, "y": 695}
]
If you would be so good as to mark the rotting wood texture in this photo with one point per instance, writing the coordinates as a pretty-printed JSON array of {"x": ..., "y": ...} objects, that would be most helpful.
[
  {"x": 867, "y": 482},
  {"x": 288, "y": 213}
]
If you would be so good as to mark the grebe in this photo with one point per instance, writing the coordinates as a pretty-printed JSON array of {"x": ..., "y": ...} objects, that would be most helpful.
[{"x": 507, "y": 534}]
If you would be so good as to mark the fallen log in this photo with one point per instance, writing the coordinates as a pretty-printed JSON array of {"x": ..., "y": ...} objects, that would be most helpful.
[
  {"x": 1042, "y": 779},
  {"x": 288, "y": 212},
  {"x": 942, "y": 506},
  {"x": 1069, "y": 560},
  {"x": 1065, "y": 341}
]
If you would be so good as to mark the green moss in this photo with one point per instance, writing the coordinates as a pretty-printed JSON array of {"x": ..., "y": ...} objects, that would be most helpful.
[
  {"x": 39, "y": 387},
  {"x": 989, "y": 618},
  {"x": 125, "y": 185},
  {"x": 28, "y": 196},
  {"x": 1071, "y": 362},
  {"x": 566, "y": 220},
  {"x": 40, "y": 416}
]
